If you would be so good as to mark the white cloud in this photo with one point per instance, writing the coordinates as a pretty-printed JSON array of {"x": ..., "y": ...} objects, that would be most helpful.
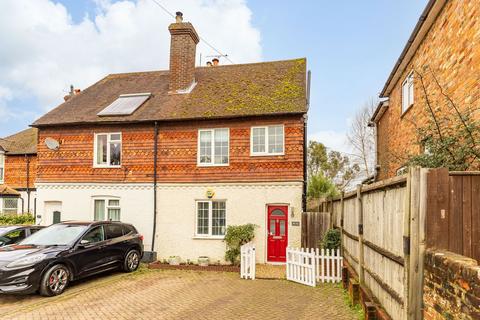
[
  {"x": 335, "y": 140},
  {"x": 43, "y": 51}
]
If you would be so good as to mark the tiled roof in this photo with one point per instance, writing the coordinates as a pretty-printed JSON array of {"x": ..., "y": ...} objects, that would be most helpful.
[
  {"x": 23, "y": 142},
  {"x": 7, "y": 191},
  {"x": 221, "y": 92}
]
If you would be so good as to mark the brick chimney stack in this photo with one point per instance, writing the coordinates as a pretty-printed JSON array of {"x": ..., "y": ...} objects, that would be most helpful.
[{"x": 183, "y": 46}]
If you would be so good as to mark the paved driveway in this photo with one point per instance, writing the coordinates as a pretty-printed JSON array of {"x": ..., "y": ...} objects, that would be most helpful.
[{"x": 159, "y": 294}]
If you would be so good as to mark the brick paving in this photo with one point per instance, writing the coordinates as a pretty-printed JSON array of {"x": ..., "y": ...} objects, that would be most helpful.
[{"x": 173, "y": 294}]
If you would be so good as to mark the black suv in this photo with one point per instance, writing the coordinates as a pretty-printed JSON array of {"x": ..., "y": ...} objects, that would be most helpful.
[
  {"x": 14, "y": 234},
  {"x": 52, "y": 257}
]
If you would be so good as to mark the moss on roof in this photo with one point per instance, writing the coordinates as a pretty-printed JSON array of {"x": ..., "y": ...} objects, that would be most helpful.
[{"x": 265, "y": 88}]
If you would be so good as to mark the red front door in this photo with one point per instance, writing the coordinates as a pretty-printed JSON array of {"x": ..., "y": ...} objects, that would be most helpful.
[{"x": 277, "y": 222}]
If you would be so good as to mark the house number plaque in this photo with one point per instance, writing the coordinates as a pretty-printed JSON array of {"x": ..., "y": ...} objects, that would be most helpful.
[{"x": 295, "y": 223}]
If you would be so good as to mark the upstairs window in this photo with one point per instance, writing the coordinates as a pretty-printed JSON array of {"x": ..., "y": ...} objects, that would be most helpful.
[
  {"x": 2, "y": 167},
  {"x": 407, "y": 92},
  {"x": 106, "y": 209},
  {"x": 268, "y": 140},
  {"x": 213, "y": 147},
  {"x": 108, "y": 150}
]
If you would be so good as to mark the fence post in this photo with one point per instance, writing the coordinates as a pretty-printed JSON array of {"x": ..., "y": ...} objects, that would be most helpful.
[
  {"x": 418, "y": 207},
  {"x": 361, "y": 274},
  {"x": 406, "y": 247},
  {"x": 342, "y": 208}
]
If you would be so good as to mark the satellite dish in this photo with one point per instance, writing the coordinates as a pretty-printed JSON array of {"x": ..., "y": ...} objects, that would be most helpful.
[{"x": 52, "y": 144}]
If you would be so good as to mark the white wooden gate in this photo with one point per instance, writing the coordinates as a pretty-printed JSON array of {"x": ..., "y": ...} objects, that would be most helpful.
[
  {"x": 247, "y": 261},
  {"x": 301, "y": 266},
  {"x": 307, "y": 266}
]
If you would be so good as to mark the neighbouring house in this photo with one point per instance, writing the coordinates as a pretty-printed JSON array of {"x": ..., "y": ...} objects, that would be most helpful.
[
  {"x": 18, "y": 168},
  {"x": 441, "y": 62},
  {"x": 182, "y": 153}
]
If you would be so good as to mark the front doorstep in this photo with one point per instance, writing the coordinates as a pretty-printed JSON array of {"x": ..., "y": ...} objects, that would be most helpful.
[{"x": 275, "y": 263}]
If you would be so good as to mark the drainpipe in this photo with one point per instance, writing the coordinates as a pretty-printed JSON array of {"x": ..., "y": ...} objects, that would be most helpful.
[
  {"x": 155, "y": 154},
  {"x": 28, "y": 182},
  {"x": 304, "y": 194}
]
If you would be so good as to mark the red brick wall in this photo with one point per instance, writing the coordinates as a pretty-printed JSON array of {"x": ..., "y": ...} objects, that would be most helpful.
[
  {"x": 451, "y": 287},
  {"x": 451, "y": 51},
  {"x": 16, "y": 171},
  {"x": 177, "y": 153}
]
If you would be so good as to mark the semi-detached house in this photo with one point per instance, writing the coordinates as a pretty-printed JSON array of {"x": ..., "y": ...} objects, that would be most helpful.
[{"x": 182, "y": 153}]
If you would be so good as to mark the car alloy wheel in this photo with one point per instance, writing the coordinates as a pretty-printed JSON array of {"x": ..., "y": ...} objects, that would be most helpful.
[
  {"x": 132, "y": 260},
  {"x": 58, "y": 280}
]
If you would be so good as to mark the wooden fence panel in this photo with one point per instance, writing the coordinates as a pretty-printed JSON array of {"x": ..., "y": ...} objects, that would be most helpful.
[
  {"x": 383, "y": 233},
  {"x": 314, "y": 226},
  {"x": 476, "y": 217},
  {"x": 453, "y": 212}
]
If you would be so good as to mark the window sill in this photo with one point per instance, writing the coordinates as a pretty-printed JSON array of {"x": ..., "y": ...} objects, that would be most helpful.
[
  {"x": 212, "y": 165},
  {"x": 106, "y": 167},
  {"x": 266, "y": 154},
  {"x": 208, "y": 237}
]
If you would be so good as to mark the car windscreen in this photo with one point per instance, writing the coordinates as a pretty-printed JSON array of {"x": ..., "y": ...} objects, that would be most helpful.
[
  {"x": 58, "y": 234},
  {"x": 5, "y": 230}
]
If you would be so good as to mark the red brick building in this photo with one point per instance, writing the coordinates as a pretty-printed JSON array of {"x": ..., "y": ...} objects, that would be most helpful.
[
  {"x": 182, "y": 153},
  {"x": 18, "y": 168},
  {"x": 440, "y": 61}
]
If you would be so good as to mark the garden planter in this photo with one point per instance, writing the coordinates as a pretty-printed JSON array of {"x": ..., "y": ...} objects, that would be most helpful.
[
  {"x": 203, "y": 261},
  {"x": 174, "y": 261}
]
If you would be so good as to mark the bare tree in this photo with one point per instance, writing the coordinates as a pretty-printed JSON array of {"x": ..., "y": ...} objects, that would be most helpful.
[{"x": 361, "y": 138}]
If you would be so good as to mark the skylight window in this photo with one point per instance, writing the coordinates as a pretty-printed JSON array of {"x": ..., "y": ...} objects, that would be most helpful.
[{"x": 125, "y": 105}]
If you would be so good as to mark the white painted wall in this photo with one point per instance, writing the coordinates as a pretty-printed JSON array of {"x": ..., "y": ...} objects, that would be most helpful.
[
  {"x": 245, "y": 203},
  {"x": 24, "y": 196},
  {"x": 176, "y": 217},
  {"x": 136, "y": 201}
]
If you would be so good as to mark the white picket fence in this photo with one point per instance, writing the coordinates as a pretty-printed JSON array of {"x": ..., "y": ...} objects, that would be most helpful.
[
  {"x": 301, "y": 266},
  {"x": 307, "y": 266},
  {"x": 247, "y": 261}
]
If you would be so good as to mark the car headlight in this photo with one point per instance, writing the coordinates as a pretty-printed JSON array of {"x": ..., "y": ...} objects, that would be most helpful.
[{"x": 27, "y": 261}]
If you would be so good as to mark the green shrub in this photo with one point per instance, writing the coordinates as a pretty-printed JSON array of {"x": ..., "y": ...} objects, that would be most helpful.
[
  {"x": 235, "y": 237},
  {"x": 11, "y": 219},
  {"x": 331, "y": 239}
]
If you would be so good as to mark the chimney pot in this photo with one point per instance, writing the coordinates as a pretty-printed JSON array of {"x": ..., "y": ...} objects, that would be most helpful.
[{"x": 178, "y": 17}]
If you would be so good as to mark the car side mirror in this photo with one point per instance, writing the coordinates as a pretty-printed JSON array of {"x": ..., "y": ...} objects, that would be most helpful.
[{"x": 84, "y": 244}]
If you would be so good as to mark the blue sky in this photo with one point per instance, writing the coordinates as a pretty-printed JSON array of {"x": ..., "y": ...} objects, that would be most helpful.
[{"x": 351, "y": 47}]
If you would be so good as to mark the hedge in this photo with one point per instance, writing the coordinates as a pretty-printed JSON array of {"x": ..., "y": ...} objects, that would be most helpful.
[{"x": 11, "y": 219}]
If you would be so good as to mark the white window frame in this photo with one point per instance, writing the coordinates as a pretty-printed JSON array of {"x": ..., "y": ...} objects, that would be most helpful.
[
  {"x": 210, "y": 221},
  {"x": 107, "y": 206},
  {"x": 212, "y": 148},
  {"x": 408, "y": 96},
  {"x": 266, "y": 153},
  {"x": 2, "y": 167},
  {"x": 13, "y": 210},
  {"x": 109, "y": 140}
]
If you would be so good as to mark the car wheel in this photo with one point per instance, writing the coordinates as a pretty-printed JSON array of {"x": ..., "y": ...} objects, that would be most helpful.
[
  {"x": 54, "y": 281},
  {"x": 132, "y": 261}
]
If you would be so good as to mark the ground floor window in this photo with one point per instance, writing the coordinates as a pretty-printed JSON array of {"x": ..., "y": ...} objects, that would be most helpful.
[
  {"x": 211, "y": 218},
  {"x": 9, "y": 205},
  {"x": 106, "y": 209}
]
